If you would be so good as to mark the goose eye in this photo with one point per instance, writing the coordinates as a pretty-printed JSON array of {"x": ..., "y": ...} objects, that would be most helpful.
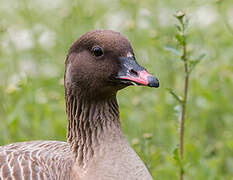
[{"x": 97, "y": 51}]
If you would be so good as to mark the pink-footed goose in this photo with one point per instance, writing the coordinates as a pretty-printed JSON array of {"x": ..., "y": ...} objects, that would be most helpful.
[{"x": 98, "y": 64}]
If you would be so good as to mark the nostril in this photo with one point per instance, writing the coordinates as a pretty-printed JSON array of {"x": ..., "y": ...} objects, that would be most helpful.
[{"x": 133, "y": 72}]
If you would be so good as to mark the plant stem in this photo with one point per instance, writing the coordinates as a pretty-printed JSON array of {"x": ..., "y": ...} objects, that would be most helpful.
[{"x": 186, "y": 83}]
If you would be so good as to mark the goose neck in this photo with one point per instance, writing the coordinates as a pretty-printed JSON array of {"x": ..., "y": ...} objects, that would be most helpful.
[{"x": 91, "y": 123}]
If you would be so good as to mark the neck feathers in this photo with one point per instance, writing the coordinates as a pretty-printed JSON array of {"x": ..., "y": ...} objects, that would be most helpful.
[{"x": 90, "y": 123}]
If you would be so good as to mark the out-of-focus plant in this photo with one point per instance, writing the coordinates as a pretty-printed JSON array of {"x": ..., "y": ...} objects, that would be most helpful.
[
  {"x": 34, "y": 40},
  {"x": 189, "y": 64},
  {"x": 223, "y": 16},
  {"x": 144, "y": 144}
]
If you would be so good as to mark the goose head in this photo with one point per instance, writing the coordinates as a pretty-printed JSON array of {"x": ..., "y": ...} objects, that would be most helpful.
[{"x": 101, "y": 62}]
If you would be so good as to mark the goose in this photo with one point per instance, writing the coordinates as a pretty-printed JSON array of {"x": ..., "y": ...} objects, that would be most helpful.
[{"x": 98, "y": 65}]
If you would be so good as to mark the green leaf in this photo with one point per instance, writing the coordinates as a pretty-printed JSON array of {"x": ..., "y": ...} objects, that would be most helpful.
[
  {"x": 178, "y": 27},
  {"x": 193, "y": 63},
  {"x": 176, "y": 157},
  {"x": 186, "y": 23},
  {"x": 176, "y": 154},
  {"x": 174, "y": 95},
  {"x": 180, "y": 39},
  {"x": 201, "y": 57},
  {"x": 173, "y": 50}
]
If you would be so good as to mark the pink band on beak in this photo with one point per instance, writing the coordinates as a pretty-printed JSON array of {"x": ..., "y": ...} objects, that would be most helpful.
[{"x": 142, "y": 78}]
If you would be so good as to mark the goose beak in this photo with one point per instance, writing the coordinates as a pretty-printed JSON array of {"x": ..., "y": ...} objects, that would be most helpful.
[{"x": 132, "y": 73}]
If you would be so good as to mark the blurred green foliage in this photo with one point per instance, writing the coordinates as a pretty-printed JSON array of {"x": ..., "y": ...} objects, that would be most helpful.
[{"x": 34, "y": 39}]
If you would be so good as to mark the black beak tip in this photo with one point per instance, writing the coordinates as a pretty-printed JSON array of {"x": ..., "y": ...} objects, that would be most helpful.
[{"x": 153, "y": 81}]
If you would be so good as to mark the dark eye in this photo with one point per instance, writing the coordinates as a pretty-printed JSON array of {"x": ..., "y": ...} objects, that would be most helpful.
[{"x": 97, "y": 51}]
